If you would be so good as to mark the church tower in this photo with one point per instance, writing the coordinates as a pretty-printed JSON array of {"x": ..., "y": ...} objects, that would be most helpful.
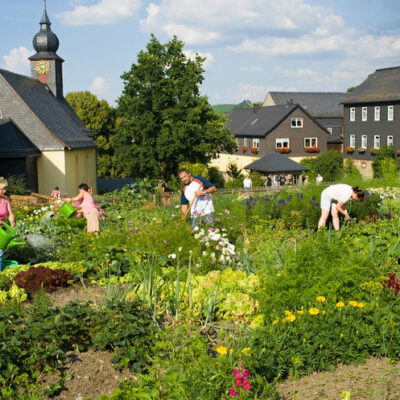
[{"x": 46, "y": 65}]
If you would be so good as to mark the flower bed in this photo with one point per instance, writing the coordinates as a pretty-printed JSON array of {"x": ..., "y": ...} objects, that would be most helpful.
[
  {"x": 349, "y": 149},
  {"x": 283, "y": 150},
  {"x": 313, "y": 149}
]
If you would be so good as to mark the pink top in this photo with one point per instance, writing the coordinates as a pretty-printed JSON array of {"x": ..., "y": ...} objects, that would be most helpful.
[
  {"x": 3, "y": 209},
  {"x": 87, "y": 203}
]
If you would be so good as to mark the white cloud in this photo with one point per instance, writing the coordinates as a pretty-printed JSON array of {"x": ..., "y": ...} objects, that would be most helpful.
[
  {"x": 224, "y": 20},
  {"x": 17, "y": 60},
  {"x": 99, "y": 87},
  {"x": 251, "y": 92},
  {"x": 105, "y": 12},
  {"x": 190, "y": 54}
]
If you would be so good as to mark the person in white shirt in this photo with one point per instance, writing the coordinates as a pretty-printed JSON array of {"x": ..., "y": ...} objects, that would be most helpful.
[
  {"x": 247, "y": 183},
  {"x": 319, "y": 179},
  {"x": 334, "y": 199},
  {"x": 196, "y": 193}
]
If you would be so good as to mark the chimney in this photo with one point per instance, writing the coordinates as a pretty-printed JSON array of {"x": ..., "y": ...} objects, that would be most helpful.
[{"x": 256, "y": 107}]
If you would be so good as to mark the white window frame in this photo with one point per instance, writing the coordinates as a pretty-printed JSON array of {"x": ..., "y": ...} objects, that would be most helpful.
[
  {"x": 310, "y": 139},
  {"x": 245, "y": 142},
  {"x": 280, "y": 141},
  {"x": 364, "y": 141},
  {"x": 256, "y": 143},
  {"x": 364, "y": 114},
  {"x": 329, "y": 130},
  {"x": 352, "y": 142},
  {"x": 377, "y": 113},
  {"x": 377, "y": 142},
  {"x": 389, "y": 140},
  {"x": 296, "y": 123},
  {"x": 352, "y": 114},
  {"x": 390, "y": 113}
]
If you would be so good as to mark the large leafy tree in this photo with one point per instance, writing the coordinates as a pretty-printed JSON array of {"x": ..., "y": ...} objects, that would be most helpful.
[
  {"x": 100, "y": 118},
  {"x": 164, "y": 119}
]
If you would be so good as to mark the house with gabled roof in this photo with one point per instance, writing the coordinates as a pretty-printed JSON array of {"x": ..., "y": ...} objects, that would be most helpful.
[
  {"x": 41, "y": 136},
  {"x": 372, "y": 118},
  {"x": 286, "y": 129},
  {"x": 324, "y": 107}
]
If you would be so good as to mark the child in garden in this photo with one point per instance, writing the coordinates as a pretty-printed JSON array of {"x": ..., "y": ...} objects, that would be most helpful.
[
  {"x": 55, "y": 194},
  {"x": 334, "y": 199},
  {"x": 88, "y": 207}
]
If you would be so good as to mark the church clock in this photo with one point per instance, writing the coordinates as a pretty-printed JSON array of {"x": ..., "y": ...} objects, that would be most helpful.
[{"x": 42, "y": 67}]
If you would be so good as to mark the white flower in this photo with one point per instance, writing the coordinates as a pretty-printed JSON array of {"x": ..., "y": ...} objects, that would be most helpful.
[
  {"x": 180, "y": 249},
  {"x": 119, "y": 217},
  {"x": 172, "y": 256},
  {"x": 204, "y": 253}
]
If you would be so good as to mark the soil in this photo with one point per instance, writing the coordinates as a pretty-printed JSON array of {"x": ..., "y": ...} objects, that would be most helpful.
[
  {"x": 91, "y": 374},
  {"x": 376, "y": 379}
]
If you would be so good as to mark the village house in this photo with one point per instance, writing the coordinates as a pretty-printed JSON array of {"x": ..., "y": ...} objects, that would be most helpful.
[
  {"x": 286, "y": 129},
  {"x": 41, "y": 137},
  {"x": 371, "y": 118}
]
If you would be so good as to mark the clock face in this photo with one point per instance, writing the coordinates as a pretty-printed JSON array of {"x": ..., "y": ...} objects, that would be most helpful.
[{"x": 42, "y": 67}]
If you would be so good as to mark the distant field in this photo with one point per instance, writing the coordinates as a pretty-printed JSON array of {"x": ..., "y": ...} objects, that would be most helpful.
[{"x": 223, "y": 108}]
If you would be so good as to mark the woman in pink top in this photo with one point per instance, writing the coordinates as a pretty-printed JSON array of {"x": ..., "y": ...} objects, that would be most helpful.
[
  {"x": 5, "y": 204},
  {"x": 88, "y": 207},
  {"x": 5, "y": 210}
]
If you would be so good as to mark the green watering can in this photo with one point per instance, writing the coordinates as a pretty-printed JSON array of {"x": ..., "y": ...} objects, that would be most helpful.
[
  {"x": 67, "y": 209},
  {"x": 7, "y": 235}
]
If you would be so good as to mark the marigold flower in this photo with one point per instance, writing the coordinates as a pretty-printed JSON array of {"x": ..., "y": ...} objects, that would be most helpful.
[
  {"x": 245, "y": 350},
  {"x": 340, "y": 304},
  {"x": 313, "y": 311},
  {"x": 275, "y": 321},
  {"x": 353, "y": 303},
  {"x": 301, "y": 312},
  {"x": 222, "y": 350},
  {"x": 360, "y": 305},
  {"x": 290, "y": 318},
  {"x": 321, "y": 299}
]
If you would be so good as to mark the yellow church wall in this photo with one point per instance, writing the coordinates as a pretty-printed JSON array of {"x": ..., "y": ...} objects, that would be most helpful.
[
  {"x": 81, "y": 168},
  {"x": 51, "y": 171}
]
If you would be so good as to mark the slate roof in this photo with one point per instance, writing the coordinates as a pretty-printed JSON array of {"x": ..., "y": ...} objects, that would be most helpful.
[
  {"x": 315, "y": 103},
  {"x": 276, "y": 162},
  {"x": 334, "y": 139},
  {"x": 56, "y": 115},
  {"x": 238, "y": 117},
  {"x": 382, "y": 85},
  {"x": 18, "y": 145},
  {"x": 260, "y": 123}
]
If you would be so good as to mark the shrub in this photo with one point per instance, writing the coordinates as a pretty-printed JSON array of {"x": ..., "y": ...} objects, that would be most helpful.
[
  {"x": 329, "y": 165},
  {"x": 37, "y": 277},
  {"x": 216, "y": 177},
  {"x": 385, "y": 152}
]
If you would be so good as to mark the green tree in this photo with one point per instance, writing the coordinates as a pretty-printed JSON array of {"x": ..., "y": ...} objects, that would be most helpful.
[
  {"x": 384, "y": 153},
  {"x": 100, "y": 118},
  {"x": 164, "y": 119},
  {"x": 242, "y": 105},
  {"x": 329, "y": 165}
]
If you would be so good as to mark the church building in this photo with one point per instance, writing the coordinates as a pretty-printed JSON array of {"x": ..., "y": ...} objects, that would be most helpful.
[{"x": 41, "y": 137}]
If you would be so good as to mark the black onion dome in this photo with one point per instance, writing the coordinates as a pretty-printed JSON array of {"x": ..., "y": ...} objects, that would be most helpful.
[{"x": 45, "y": 41}]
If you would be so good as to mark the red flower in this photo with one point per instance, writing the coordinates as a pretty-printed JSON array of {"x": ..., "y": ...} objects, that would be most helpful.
[
  {"x": 232, "y": 392},
  {"x": 246, "y": 385}
]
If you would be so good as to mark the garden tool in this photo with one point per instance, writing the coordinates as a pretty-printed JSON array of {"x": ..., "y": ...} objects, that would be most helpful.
[
  {"x": 190, "y": 206},
  {"x": 67, "y": 209},
  {"x": 7, "y": 237}
]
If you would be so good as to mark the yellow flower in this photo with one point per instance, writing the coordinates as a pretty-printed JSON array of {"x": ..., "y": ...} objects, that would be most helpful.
[
  {"x": 222, "y": 350},
  {"x": 290, "y": 318},
  {"x": 321, "y": 299},
  {"x": 245, "y": 350},
  {"x": 301, "y": 312},
  {"x": 287, "y": 313},
  {"x": 313, "y": 311},
  {"x": 341, "y": 335},
  {"x": 304, "y": 340},
  {"x": 353, "y": 303},
  {"x": 340, "y": 304},
  {"x": 360, "y": 305},
  {"x": 323, "y": 312},
  {"x": 275, "y": 321},
  {"x": 231, "y": 351}
]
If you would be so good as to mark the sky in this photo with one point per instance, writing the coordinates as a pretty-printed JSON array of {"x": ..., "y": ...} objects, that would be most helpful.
[{"x": 251, "y": 46}]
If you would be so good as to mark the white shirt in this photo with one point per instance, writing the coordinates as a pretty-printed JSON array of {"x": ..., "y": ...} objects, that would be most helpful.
[
  {"x": 247, "y": 183},
  {"x": 203, "y": 205},
  {"x": 319, "y": 179},
  {"x": 340, "y": 193}
]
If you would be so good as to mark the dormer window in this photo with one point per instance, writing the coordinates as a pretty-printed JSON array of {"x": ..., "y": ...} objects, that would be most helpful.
[
  {"x": 296, "y": 122},
  {"x": 254, "y": 122}
]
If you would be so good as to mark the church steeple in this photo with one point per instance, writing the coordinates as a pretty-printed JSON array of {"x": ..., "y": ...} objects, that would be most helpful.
[{"x": 46, "y": 65}]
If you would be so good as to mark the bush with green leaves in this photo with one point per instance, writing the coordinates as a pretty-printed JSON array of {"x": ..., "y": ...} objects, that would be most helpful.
[{"x": 329, "y": 165}]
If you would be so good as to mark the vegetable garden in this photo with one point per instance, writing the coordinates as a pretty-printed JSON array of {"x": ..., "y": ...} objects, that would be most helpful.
[{"x": 201, "y": 313}]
